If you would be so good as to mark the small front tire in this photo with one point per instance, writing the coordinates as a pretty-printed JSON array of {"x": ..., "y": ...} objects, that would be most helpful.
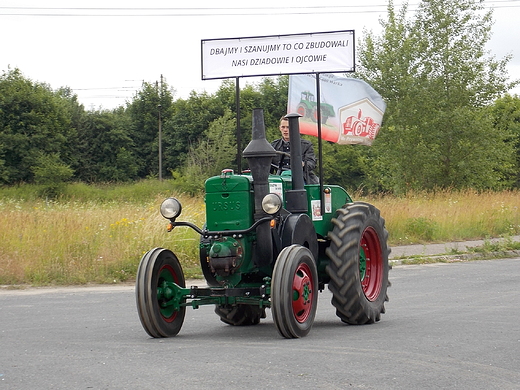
[
  {"x": 159, "y": 317},
  {"x": 294, "y": 291}
]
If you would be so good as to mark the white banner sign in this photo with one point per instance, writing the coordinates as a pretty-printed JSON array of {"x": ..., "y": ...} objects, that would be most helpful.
[
  {"x": 351, "y": 110},
  {"x": 328, "y": 52}
]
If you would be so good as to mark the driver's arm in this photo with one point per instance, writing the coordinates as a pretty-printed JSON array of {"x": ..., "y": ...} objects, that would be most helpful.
[{"x": 308, "y": 157}]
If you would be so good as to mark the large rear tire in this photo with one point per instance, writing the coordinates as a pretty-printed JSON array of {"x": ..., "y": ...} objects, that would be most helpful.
[
  {"x": 240, "y": 315},
  {"x": 294, "y": 291},
  {"x": 358, "y": 267},
  {"x": 158, "y": 317}
]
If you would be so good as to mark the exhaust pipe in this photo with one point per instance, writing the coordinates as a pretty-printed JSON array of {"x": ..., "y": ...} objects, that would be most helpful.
[
  {"x": 296, "y": 199},
  {"x": 259, "y": 153}
]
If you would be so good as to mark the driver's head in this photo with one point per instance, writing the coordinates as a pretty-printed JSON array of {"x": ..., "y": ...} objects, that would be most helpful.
[{"x": 284, "y": 128}]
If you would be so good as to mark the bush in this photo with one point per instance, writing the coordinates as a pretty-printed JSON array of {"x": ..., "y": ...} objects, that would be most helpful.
[{"x": 51, "y": 173}]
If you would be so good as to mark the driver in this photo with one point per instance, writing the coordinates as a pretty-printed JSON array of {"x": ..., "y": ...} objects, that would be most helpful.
[{"x": 282, "y": 162}]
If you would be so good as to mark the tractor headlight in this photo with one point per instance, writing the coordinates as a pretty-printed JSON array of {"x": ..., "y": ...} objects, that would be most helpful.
[
  {"x": 171, "y": 208},
  {"x": 271, "y": 203}
]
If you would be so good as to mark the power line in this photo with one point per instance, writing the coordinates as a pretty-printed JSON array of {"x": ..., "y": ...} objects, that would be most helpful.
[
  {"x": 198, "y": 14},
  {"x": 333, "y": 7},
  {"x": 102, "y": 88},
  {"x": 192, "y": 8},
  {"x": 210, "y": 11}
]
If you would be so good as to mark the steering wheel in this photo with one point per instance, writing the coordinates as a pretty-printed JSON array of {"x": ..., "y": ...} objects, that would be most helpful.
[{"x": 279, "y": 168}]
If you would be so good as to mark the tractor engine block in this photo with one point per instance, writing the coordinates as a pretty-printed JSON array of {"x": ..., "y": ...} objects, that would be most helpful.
[{"x": 225, "y": 256}]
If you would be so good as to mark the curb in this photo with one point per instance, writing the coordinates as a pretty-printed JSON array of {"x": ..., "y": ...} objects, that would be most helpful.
[{"x": 427, "y": 259}]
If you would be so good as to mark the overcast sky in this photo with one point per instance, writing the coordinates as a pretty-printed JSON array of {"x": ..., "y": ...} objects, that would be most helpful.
[{"x": 105, "y": 49}]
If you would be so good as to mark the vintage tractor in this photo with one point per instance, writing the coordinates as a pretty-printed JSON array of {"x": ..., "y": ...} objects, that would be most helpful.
[
  {"x": 308, "y": 108},
  {"x": 271, "y": 241}
]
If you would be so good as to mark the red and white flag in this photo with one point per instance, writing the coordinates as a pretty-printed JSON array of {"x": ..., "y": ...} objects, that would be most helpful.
[{"x": 351, "y": 110}]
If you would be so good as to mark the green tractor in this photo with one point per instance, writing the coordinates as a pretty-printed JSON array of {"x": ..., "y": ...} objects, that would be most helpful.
[
  {"x": 271, "y": 241},
  {"x": 308, "y": 108}
]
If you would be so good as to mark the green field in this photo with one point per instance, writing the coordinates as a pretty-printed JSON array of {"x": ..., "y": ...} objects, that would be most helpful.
[{"x": 97, "y": 234}]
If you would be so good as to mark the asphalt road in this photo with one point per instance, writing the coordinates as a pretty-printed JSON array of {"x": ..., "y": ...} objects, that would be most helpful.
[{"x": 446, "y": 326}]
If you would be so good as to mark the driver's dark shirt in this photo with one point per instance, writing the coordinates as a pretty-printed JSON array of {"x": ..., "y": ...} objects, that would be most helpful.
[
  {"x": 308, "y": 157},
  {"x": 285, "y": 147}
]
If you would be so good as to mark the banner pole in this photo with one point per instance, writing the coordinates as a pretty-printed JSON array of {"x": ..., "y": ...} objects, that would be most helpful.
[
  {"x": 239, "y": 135},
  {"x": 318, "y": 120}
]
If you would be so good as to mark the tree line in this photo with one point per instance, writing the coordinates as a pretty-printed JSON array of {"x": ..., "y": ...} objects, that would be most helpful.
[{"x": 449, "y": 121}]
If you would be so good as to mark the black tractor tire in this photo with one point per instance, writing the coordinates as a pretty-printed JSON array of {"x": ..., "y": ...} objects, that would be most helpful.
[
  {"x": 314, "y": 115},
  {"x": 294, "y": 291},
  {"x": 204, "y": 264},
  {"x": 158, "y": 319},
  {"x": 303, "y": 110},
  {"x": 358, "y": 267},
  {"x": 324, "y": 117},
  {"x": 240, "y": 315}
]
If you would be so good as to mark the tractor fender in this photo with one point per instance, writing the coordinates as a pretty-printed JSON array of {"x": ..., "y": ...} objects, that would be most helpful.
[{"x": 299, "y": 229}]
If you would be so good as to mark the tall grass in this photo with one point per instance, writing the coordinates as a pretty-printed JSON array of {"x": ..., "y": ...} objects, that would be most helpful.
[
  {"x": 97, "y": 234},
  {"x": 90, "y": 237},
  {"x": 450, "y": 216}
]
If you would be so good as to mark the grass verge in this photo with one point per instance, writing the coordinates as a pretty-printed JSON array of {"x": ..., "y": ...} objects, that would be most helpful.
[{"x": 98, "y": 234}]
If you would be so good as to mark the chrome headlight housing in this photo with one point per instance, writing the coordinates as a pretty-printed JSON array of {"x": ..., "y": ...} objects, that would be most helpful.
[
  {"x": 271, "y": 204},
  {"x": 171, "y": 208}
]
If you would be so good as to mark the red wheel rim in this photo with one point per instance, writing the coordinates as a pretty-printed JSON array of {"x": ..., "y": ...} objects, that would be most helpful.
[
  {"x": 357, "y": 128},
  {"x": 371, "y": 255},
  {"x": 302, "y": 293},
  {"x": 167, "y": 274}
]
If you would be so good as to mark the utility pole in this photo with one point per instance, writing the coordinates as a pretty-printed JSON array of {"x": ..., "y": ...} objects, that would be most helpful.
[
  {"x": 160, "y": 129},
  {"x": 160, "y": 143}
]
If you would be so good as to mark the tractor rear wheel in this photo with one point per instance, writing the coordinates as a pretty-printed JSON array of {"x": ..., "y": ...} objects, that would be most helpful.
[
  {"x": 358, "y": 267},
  {"x": 159, "y": 317},
  {"x": 294, "y": 291},
  {"x": 240, "y": 315},
  {"x": 323, "y": 118}
]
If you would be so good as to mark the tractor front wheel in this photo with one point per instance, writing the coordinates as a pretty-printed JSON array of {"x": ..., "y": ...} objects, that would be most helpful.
[
  {"x": 160, "y": 314},
  {"x": 294, "y": 291},
  {"x": 358, "y": 267},
  {"x": 303, "y": 111}
]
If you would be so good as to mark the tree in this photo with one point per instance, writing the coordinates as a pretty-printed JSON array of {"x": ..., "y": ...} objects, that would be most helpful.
[
  {"x": 104, "y": 147},
  {"x": 33, "y": 121},
  {"x": 437, "y": 79},
  {"x": 4, "y": 173},
  {"x": 270, "y": 94},
  {"x": 144, "y": 124},
  {"x": 343, "y": 164},
  {"x": 215, "y": 151},
  {"x": 505, "y": 114},
  {"x": 273, "y": 99},
  {"x": 188, "y": 122},
  {"x": 51, "y": 173}
]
